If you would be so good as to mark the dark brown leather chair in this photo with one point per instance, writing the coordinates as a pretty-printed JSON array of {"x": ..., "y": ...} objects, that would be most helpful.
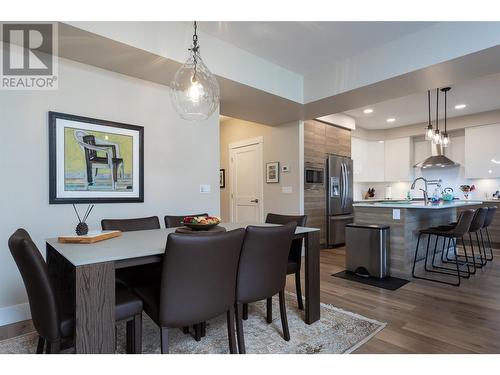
[
  {"x": 176, "y": 221},
  {"x": 53, "y": 320},
  {"x": 198, "y": 282},
  {"x": 487, "y": 222},
  {"x": 262, "y": 272},
  {"x": 295, "y": 255},
  {"x": 143, "y": 274}
]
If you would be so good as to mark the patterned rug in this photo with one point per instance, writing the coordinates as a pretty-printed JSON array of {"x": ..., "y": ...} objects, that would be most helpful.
[{"x": 338, "y": 331}]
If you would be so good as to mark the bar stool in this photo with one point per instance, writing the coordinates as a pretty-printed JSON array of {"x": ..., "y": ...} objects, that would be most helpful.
[
  {"x": 476, "y": 226},
  {"x": 448, "y": 233},
  {"x": 487, "y": 222}
]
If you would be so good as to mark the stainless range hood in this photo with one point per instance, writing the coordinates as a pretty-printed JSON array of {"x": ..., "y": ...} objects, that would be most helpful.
[{"x": 437, "y": 159}]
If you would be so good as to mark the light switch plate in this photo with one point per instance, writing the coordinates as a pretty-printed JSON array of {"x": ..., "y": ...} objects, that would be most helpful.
[
  {"x": 285, "y": 168},
  {"x": 205, "y": 188},
  {"x": 287, "y": 189},
  {"x": 396, "y": 214}
]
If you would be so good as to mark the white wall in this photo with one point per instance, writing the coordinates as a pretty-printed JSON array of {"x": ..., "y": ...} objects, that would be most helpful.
[
  {"x": 281, "y": 143},
  {"x": 178, "y": 157}
]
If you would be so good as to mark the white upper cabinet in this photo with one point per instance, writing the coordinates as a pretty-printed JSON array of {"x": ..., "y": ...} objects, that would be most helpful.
[
  {"x": 398, "y": 159},
  {"x": 368, "y": 160},
  {"x": 482, "y": 151}
]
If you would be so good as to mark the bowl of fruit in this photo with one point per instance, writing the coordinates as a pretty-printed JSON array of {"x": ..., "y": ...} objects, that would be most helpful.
[{"x": 201, "y": 222}]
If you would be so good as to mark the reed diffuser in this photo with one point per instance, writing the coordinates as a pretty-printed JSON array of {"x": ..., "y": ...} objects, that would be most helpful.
[{"x": 82, "y": 228}]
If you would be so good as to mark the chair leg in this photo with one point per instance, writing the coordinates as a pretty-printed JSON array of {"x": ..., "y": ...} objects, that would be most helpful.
[
  {"x": 53, "y": 347},
  {"x": 164, "y": 340},
  {"x": 284, "y": 320},
  {"x": 134, "y": 335},
  {"x": 239, "y": 328},
  {"x": 230, "y": 331},
  {"x": 245, "y": 311},
  {"x": 41, "y": 344},
  {"x": 203, "y": 328},
  {"x": 197, "y": 331},
  {"x": 299, "y": 290},
  {"x": 269, "y": 310}
]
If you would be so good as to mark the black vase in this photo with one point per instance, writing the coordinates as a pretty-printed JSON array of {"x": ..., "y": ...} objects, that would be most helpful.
[{"x": 82, "y": 229}]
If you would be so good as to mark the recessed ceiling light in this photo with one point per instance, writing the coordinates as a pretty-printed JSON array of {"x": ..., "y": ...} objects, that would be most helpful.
[
  {"x": 391, "y": 119},
  {"x": 368, "y": 110},
  {"x": 460, "y": 106}
]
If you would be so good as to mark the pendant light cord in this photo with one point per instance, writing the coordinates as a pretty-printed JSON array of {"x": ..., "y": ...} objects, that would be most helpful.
[
  {"x": 437, "y": 109},
  {"x": 195, "y": 49},
  {"x": 445, "y": 94},
  {"x": 429, "y": 104}
]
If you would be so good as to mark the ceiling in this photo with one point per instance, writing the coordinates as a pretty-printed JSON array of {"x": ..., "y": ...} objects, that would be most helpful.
[
  {"x": 479, "y": 95},
  {"x": 305, "y": 47}
]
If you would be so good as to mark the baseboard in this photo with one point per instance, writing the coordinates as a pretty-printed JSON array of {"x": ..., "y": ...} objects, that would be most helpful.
[{"x": 13, "y": 314}]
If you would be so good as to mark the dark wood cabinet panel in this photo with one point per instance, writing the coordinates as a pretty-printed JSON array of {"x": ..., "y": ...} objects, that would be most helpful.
[{"x": 320, "y": 140}]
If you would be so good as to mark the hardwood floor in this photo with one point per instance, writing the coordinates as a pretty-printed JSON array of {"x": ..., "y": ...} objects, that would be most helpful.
[{"x": 422, "y": 317}]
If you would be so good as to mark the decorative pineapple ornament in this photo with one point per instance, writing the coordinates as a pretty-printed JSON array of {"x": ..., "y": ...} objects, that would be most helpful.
[{"x": 82, "y": 228}]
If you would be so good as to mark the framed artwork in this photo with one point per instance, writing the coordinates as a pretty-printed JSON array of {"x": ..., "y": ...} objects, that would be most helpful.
[
  {"x": 273, "y": 172},
  {"x": 94, "y": 161},
  {"x": 222, "y": 178}
]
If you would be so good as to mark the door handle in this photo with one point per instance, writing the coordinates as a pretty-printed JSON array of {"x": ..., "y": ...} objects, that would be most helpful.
[{"x": 254, "y": 201}]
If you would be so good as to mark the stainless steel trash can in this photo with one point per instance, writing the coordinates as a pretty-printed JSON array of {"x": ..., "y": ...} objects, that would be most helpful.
[{"x": 367, "y": 249}]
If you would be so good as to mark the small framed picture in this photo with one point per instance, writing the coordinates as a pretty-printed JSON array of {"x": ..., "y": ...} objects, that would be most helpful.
[
  {"x": 222, "y": 178},
  {"x": 273, "y": 172}
]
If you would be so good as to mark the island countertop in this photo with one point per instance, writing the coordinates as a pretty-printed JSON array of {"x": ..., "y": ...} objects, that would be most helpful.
[{"x": 419, "y": 204}]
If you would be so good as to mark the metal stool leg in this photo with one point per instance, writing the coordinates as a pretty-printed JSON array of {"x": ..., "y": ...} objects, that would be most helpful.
[{"x": 489, "y": 243}]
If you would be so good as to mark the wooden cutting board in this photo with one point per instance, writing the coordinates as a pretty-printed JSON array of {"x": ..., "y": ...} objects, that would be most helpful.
[{"x": 91, "y": 237}]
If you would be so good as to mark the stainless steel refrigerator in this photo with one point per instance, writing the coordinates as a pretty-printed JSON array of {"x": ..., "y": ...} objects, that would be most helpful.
[{"x": 339, "y": 198}]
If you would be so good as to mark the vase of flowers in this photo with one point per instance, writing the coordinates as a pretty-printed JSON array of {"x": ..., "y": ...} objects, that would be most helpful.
[{"x": 466, "y": 190}]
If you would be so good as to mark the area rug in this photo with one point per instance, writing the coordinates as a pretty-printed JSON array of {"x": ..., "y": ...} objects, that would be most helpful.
[{"x": 337, "y": 331}]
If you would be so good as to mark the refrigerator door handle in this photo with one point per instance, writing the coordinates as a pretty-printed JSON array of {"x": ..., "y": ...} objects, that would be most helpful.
[
  {"x": 348, "y": 188},
  {"x": 342, "y": 191}
]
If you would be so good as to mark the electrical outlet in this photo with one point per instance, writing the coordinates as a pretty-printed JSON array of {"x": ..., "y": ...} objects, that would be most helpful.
[
  {"x": 396, "y": 214},
  {"x": 287, "y": 189}
]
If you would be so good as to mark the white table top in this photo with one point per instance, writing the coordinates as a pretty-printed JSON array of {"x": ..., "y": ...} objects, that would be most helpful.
[
  {"x": 130, "y": 245},
  {"x": 419, "y": 204}
]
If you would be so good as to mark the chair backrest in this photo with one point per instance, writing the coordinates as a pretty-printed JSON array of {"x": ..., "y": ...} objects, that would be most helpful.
[
  {"x": 464, "y": 222},
  {"x": 478, "y": 220},
  {"x": 295, "y": 254},
  {"x": 263, "y": 262},
  {"x": 130, "y": 225},
  {"x": 35, "y": 274},
  {"x": 175, "y": 221},
  {"x": 490, "y": 216},
  {"x": 198, "y": 277}
]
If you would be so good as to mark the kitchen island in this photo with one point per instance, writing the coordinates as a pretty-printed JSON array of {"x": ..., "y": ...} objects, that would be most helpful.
[{"x": 405, "y": 219}]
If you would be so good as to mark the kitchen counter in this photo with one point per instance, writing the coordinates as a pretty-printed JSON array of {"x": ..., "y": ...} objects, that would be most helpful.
[
  {"x": 406, "y": 219},
  {"x": 418, "y": 204}
]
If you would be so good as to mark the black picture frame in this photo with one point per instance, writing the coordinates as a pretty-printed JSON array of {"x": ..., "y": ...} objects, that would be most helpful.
[
  {"x": 273, "y": 172},
  {"x": 222, "y": 178},
  {"x": 54, "y": 197}
]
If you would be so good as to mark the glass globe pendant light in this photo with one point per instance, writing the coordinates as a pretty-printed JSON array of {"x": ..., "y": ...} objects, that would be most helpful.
[
  {"x": 429, "y": 131},
  {"x": 446, "y": 139},
  {"x": 194, "y": 89}
]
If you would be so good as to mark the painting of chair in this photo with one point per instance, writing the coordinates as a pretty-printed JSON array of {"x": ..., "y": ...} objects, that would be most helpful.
[{"x": 100, "y": 154}]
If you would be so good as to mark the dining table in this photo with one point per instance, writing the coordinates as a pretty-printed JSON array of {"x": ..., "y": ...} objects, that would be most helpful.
[{"x": 84, "y": 274}]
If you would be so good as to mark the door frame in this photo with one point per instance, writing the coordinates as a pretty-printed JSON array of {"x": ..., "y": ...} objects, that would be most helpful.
[{"x": 259, "y": 142}]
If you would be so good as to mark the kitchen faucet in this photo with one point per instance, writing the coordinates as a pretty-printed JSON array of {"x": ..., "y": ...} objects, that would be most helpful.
[{"x": 426, "y": 196}]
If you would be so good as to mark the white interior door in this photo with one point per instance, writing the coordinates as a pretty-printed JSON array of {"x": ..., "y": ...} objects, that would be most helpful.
[{"x": 246, "y": 171}]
